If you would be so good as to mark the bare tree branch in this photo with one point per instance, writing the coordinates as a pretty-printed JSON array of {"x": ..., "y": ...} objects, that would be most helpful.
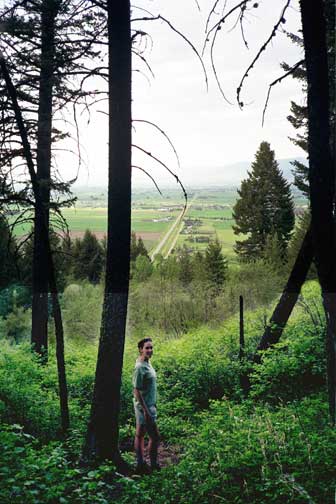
[
  {"x": 149, "y": 154},
  {"x": 148, "y": 175},
  {"x": 263, "y": 47},
  {"x": 159, "y": 17},
  {"x": 276, "y": 81},
  {"x": 162, "y": 133}
]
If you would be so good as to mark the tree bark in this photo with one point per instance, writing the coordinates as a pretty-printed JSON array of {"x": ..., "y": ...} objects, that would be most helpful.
[
  {"x": 321, "y": 173},
  {"x": 39, "y": 335},
  {"x": 103, "y": 429},
  {"x": 63, "y": 392},
  {"x": 289, "y": 296}
]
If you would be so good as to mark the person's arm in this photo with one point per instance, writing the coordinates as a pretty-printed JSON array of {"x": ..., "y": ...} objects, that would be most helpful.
[{"x": 138, "y": 396}]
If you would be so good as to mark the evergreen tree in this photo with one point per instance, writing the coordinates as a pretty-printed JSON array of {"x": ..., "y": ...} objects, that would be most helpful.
[
  {"x": 298, "y": 118},
  {"x": 61, "y": 255},
  {"x": 89, "y": 260},
  {"x": 273, "y": 255},
  {"x": 215, "y": 264},
  {"x": 8, "y": 271},
  {"x": 264, "y": 208},
  {"x": 299, "y": 113},
  {"x": 185, "y": 265},
  {"x": 198, "y": 267},
  {"x": 137, "y": 247}
]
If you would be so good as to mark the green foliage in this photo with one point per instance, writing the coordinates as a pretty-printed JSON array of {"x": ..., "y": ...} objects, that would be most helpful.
[
  {"x": 16, "y": 326},
  {"x": 246, "y": 453},
  {"x": 88, "y": 258},
  {"x": 142, "y": 268},
  {"x": 137, "y": 247},
  {"x": 8, "y": 260},
  {"x": 82, "y": 305},
  {"x": 273, "y": 254},
  {"x": 33, "y": 474},
  {"x": 294, "y": 368},
  {"x": 166, "y": 302},
  {"x": 23, "y": 397},
  {"x": 264, "y": 207},
  {"x": 61, "y": 255},
  {"x": 185, "y": 274},
  {"x": 277, "y": 447},
  {"x": 12, "y": 296},
  {"x": 162, "y": 305},
  {"x": 215, "y": 264},
  {"x": 295, "y": 243}
]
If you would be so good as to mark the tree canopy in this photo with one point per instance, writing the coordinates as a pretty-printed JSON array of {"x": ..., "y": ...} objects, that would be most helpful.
[{"x": 264, "y": 207}]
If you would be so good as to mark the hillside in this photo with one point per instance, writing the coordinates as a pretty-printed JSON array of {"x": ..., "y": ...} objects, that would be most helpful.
[{"x": 275, "y": 447}]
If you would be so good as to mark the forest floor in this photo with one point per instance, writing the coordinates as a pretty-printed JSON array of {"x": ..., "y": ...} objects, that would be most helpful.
[{"x": 168, "y": 454}]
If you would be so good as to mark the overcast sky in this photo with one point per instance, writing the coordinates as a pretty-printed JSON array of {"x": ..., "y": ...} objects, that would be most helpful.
[{"x": 206, "y": 131}]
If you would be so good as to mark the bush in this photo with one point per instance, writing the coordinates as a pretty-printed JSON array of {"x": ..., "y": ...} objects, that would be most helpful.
[
  {"x": 35, "y": 474},
  {"x": 276, "y": 447},
  {"x": 246, "y": 453},
  {"x": 82, "y": 305}
]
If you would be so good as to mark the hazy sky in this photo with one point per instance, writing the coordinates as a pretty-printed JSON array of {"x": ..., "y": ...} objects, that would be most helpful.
[{"x": 206, "y": 131}]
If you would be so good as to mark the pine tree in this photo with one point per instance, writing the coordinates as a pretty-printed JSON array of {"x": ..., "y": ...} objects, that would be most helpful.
[
  {"x": 264, "y": 208},
  {"x": 8, "y": 271},
  {"x": 137, "y": 247},
  {"x": 298, "y": 118},
  {"x": 185, "y": 273},
  {"x": 299, "y": 113},
  {"x": 215, "y": 264},
  {"x": 89, "y": 260}
]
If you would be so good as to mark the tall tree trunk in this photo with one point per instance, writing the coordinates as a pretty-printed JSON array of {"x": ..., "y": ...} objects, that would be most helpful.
[
  {"x": 290, "y": 294},
  {"x": 103, "y": 428},
  {"x": 321, "y": 173},
  {"x": 63, "y": 392},
  {"x": 39, "y": 335}
]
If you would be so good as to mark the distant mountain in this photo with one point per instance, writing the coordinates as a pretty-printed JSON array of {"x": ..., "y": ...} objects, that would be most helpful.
[
  {"x": 198, "y": 176},
  {"x": 233, "y": 174}
]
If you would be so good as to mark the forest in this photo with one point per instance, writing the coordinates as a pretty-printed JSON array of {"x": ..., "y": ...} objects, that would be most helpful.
[{"x": 235, "y": 293}]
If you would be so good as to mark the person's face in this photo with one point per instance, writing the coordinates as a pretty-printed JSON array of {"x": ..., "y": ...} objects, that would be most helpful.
[{"x": 147, "y": 350}]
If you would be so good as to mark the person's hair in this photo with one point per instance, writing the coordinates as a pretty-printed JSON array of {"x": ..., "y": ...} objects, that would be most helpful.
[{"x": 142, "y": 342}]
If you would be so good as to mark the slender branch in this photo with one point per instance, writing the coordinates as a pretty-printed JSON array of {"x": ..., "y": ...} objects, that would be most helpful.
[
  {"x": 210, "y": 14},
  {"x": 198, "y": 5},
  {"x": 263, "y": 47},
  {"x": 223, "y": 19},
  {"x": 277, "y": 81},
  {"x": 214, "y": 66},
  {"x": 149, "y": 154},
  {"x": 159, "y": 17},
  {"x": 148, "y": 175},
  {"x": 143, "y": 59},
  {"x": 241, "y": 19},
  {"x": 162, "y": 133}
]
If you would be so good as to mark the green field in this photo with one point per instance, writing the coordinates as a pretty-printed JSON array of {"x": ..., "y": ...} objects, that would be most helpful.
[{"x": 209, "y": 214}]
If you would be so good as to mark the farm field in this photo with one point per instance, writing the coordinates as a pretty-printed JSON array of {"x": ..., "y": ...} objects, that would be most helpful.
[{"x": 208, "y": 214}]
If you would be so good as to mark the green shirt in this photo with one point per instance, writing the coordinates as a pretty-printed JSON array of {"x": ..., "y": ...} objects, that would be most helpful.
[{"x": 144, "y": 379}]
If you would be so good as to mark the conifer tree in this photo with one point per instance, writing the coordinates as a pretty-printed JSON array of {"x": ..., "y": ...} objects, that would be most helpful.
[
  {"x": 299, "y": 113},
  {"x": 8, "y": 271},
  {"x": 264, "y": 208},
  {"x": 89, "y": 260},
  {"x": 185, "y": 265},
  {"x": 137, "y": 247},
  {"x": 215, "y": 264}
]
